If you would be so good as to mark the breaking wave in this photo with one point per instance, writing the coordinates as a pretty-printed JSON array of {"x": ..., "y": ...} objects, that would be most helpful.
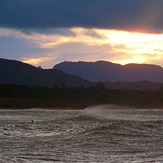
[{"x": 115, "y": 112}]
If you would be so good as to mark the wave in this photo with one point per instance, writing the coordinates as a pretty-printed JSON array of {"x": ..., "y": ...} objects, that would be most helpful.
[{"x": 116, "y": 112}]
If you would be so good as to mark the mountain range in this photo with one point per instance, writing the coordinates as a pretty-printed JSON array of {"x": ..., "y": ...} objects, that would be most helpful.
[
  {"x": 18, "y": 73},
  {"x": 83, "y": 74},
  {"x": 102, "y": 71}
]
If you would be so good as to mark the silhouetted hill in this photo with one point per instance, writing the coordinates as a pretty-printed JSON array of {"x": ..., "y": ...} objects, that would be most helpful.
[
  {"x": 16, "y": 72},
  {"x": 110, "y": 72}
]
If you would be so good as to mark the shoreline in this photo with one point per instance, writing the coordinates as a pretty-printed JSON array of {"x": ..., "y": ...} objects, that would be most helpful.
[
  {"x": 14, "y": 96},
  {"x": 49, "y": 104}
]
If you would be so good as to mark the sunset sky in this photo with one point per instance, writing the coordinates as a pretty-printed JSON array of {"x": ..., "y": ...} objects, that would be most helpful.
[{"x": 46, "y": 32}]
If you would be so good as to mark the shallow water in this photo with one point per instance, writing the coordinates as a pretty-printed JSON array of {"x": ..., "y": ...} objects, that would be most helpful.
[{"x": 96, "y": 134}]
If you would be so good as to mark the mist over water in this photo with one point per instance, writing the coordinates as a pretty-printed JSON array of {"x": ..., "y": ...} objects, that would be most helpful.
[{"x": 106, "y": 133}]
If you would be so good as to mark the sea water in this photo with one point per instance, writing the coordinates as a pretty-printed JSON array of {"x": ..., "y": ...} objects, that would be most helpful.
[{"x": 95, "y": 134}]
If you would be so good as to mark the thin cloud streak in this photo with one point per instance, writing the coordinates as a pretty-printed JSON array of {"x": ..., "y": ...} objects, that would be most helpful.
[{"x": 36, "y": 61}]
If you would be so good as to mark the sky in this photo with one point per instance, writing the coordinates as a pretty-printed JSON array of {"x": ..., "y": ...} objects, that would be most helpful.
[{"x": 46, "y": 32}]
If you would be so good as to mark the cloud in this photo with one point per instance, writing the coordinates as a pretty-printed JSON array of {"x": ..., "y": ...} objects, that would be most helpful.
[
  {"x": 84, "y": 44},
  {"x": 36, "y": 61},
  {"x": 46, "y": 41},
  {"x": 38, "y": 15}
]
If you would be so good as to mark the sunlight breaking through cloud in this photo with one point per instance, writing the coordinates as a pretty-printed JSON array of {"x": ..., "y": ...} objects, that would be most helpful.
[{"x": 112, "y": 45}]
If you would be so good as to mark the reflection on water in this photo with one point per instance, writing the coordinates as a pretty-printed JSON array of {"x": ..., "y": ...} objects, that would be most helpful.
[{"x": 96, "y": 134}]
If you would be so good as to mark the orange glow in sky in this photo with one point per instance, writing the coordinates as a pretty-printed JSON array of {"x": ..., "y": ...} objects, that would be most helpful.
[
  {"x": 91, "y": 45},
  {"x": 125, "y": 47},
  {"x": 137, "y": 43},
  {"x": 141, "y": 47},
  {"x": 35, "y": 61}
]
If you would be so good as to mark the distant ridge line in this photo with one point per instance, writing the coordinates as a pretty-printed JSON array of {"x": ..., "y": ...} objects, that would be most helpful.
[{"x": 112, "y": 72}]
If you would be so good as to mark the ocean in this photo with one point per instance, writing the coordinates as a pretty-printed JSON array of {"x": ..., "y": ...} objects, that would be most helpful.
[{"x": 106, "y": 133}]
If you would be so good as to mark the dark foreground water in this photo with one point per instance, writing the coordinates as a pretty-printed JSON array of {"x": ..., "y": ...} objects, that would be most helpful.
[{"x": 96, "y": 134}]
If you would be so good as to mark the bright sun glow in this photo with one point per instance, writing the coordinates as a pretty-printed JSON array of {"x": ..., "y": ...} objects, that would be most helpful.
[
  {"x": 123, "y": 47},
  {"x": 141, "y": 46},
  {"x": 93, "y": 44},
  {"x": 137, "y": 42},
  {"x": 133, "y": 60}
]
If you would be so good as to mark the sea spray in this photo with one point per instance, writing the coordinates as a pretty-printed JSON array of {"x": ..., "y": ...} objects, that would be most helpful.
[
  {"x": 117, "y": 112},
  {"x": 103, "y": 111}
]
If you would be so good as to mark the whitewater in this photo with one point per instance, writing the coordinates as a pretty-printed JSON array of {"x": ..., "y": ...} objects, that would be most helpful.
[{"x": 105, "y": 133}]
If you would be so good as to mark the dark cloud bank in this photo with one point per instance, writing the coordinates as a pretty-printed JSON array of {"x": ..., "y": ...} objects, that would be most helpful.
[{"x": 111, "y": 14}]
